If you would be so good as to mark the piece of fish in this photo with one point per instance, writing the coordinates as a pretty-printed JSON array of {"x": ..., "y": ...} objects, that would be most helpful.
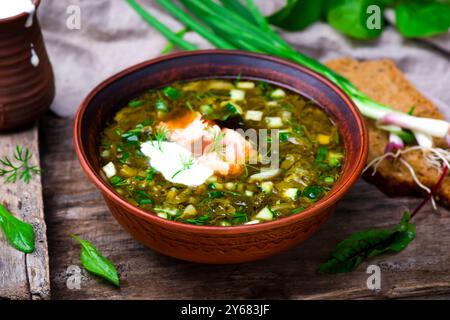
[{"x": 223, "y": 150}]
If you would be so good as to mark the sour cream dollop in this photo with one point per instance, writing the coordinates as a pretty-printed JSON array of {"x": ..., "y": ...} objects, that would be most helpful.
[{"x": 176, "y": 163}]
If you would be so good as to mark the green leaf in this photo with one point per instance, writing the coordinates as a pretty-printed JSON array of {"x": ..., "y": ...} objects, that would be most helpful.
[
  {"x": 360, "y": 246},
  {"x": 416, "y": 18},
  {"x": 353, "y": 18},
  {"x": 19, "y": 234},
  {"x": 93, "y": 261},
  {"x": 297, "y": 14}
]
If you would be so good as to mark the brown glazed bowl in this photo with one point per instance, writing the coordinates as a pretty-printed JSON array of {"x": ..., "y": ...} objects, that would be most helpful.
[
  {"x": 219, "y": 245},
  {"x": 26, "y": 91}
]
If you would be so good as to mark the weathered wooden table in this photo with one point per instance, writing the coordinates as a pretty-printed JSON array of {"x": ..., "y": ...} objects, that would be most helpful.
[
  {"x": 74, "y": 206},
  {"x": 24, "y": 276}
]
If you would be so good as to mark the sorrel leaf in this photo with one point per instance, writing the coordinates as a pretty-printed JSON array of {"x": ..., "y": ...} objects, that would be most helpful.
[
  {"x": 351, "y": 17},
  {"x": 297, "y": 14},
  {"x": 360, "y": 246},
  {"x": 422, "y": 18},
  {"x": 94, "y": 262},
  {"x": 19, "y": 234}
]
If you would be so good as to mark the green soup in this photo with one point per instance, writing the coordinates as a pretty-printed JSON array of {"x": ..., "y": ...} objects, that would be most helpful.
[{"x": 221, "y": 153}]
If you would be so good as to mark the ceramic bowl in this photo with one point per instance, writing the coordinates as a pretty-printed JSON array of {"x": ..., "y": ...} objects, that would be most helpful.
[{"x": 219, "y": 245}]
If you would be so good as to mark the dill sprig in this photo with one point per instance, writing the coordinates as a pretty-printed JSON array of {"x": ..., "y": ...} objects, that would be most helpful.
[
  {"x": 21, "y": 169},
  {"x": 161, "y": 134},
  {"x": 190, "y": 107},
  {"x": 248, "y": 166},
  {"x": 186, "y": 163},
  {"x": 216, "y": 145}
]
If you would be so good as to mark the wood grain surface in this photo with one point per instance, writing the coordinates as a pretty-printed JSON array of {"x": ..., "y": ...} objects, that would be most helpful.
[
  {"x": 73, "y": 205},
  {"x": 24, "y": 276}
]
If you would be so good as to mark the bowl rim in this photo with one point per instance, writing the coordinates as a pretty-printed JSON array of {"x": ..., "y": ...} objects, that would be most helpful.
[
  {"x": 331, "y": 199},
  {"x": 20, "y": 15}
]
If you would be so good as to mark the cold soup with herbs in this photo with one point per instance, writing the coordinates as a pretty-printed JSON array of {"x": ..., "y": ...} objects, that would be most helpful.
[{"x": 221, "y": 152}]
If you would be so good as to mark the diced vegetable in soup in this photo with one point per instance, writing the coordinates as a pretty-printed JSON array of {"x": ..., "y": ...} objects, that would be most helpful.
[{"x": 221, "y": 153}]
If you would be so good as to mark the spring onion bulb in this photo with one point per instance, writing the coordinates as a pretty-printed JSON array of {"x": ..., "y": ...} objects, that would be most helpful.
[
  {"x": 433, "y": 127},
  {"x": 395, "y": 143}
]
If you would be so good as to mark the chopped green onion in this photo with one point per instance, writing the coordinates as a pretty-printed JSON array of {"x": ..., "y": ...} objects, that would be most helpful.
[
  {"x": 313, "y": 192},
  {"x": 150, "y": 173},
  {"x": 278, "y": 94},
  {"x": 215, "y": 194},
  {"x": 239, "y": 218},
  {"x": 206, "y": 109},
  {"x": 161, "y": 105},
  {"x": 237, "y": 95},
  {"x": 147, "y": 122},
  {"x": 265, "y": 214},
  {"x": 292, "y": 193},
  {"x": 135, "y": 103},
  {"x": 245, "y": 85},
  {"x": 169, "y": 211},
  {"x": 253, "y": 115},
  {"x": 171, "y": 93},
  {"x": 274, "y": 122},
  {"x": 284, "y": 136},
  {"x": 117, "y": 181},
  {"x": 232, "y": 109},
  {"x": 297, "y": 210},
  {"x": 200, "y": 221},
  {"x": 334, "y": 159},
  {"x": 321, "y": 154},
  {"x": 328, "y": 180},
  {"x": 124, "y": 156},
  {"x": 267, "y": 186}
]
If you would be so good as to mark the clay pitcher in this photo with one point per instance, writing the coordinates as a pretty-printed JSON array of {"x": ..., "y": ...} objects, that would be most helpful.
[{"x": 27, "y": 85}]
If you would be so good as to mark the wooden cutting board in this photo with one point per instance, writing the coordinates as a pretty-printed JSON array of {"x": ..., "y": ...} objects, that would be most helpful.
[{"x": 24, "y": 276}]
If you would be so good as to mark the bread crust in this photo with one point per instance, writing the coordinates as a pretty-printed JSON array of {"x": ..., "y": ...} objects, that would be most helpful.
[{"x": 382, "y": 81}]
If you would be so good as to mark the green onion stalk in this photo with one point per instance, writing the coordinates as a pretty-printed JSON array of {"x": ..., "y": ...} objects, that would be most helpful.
[{"x": 232, "y": 24}]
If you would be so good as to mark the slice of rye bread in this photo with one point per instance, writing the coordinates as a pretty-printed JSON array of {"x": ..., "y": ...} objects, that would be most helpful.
[{"x": 383, "y": 82}]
